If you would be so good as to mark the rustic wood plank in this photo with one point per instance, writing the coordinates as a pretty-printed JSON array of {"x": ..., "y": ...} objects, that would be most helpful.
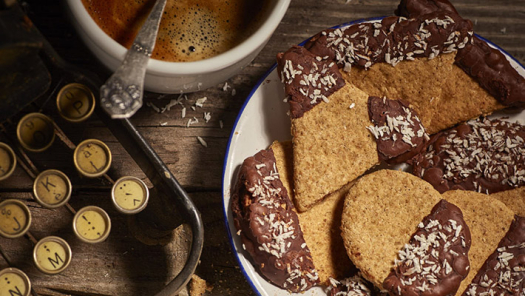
[{"x": 122, "y": 265}]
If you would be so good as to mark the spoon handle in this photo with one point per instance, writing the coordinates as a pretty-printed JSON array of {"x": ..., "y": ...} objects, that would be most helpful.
[{"x": 121, "y": 95}]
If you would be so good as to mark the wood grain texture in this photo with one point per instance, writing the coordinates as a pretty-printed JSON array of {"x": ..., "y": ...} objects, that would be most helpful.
[{"x": 124, "y": 266}]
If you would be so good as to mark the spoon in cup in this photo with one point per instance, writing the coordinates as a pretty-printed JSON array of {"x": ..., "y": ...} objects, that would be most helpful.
[{"x": 121, "y": 95}]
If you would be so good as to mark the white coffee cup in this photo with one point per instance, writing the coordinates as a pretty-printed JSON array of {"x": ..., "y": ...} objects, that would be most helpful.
[{"x": 179, "y": 77}]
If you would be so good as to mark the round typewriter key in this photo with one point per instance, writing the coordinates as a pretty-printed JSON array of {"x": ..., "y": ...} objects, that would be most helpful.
[
  {"x": 35, "y": 132},
  {"x": 52, "y": 255},
  {"x": 13, "y": 281},
  {"x": 52, "y": 189},
  {"x": 15, "y": 218},
  {"x": 130, "y": 195},
  {"x": 7, "y": 161},
  {"x": 92, "y": 158},
  {"x": 75, "y": 102},
  {"x": 92, "y": 224}
]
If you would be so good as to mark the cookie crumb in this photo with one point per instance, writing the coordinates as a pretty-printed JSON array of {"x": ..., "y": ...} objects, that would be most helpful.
[{"x": 198, "y": 286}]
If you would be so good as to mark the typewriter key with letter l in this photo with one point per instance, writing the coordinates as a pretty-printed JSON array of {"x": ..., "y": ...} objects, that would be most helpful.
[
  {"x": 13, "y": 281},
  {"x": 15, "y": 218},
  {"x": 52, "y": 255},
  {"x": 75, "y": 102},
  {"x": 130, "y": 195},
  {"x": 91, "y": 224},
  {"x": 92, "y": 158},
  {"x": 52, "y": 189},
  {"x": 35, "y": 132},
  {"x": 7, "y": 161}
]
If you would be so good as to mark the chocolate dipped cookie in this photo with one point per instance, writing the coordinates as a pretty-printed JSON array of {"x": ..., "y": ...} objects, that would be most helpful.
[
  {"x": 269, "y": 227},
  {"x": 435, "y": 261},
  {"x": 481, "y": 155},
  {"x": 320, "y": 225},
  {"x": 381, "y": 212},
  {"x": 427, "y": 56},
  {"x": 503, "y": 273},
  {"x": 488, "y": 220}
]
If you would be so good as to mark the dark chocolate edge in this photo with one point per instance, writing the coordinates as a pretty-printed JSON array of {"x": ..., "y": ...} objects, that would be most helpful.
[
  {"x": 240, "y": 225},
  {"x": 515, "y": 235},
  {"x": 486, "y": 65},
  {"x": 441, "y": 206}
]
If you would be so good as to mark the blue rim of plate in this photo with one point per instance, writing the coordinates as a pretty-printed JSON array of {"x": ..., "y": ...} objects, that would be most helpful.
[{"x": 241, "y": 111}]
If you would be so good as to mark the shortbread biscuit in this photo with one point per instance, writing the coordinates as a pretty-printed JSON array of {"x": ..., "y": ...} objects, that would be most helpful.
[
  {"x": 514, "y": 200},
  {"x": 429, "y": 86},
  {"x": 269, "y": 227},
  {"x": 503, "y": 272},
  {"x": 336, "y": 142},
  {"x": 488, "y": 220},
  {"x": 486, "y": 65},
  {"x": 435, "y": 261},
  {"x": 432, "y": 61},
  {"x": 409, "y": 81},
  {"x": 381, "y": 212},
  {"x": 481, "y": 155},
  {"x": 320, "y": 225},
  {"x": 331, "y": 146},
  {"x": 327, "y": 155}
]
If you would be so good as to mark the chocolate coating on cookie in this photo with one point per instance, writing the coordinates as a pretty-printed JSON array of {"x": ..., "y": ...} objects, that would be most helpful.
[
  {"x": 488, "y": 66},
  {"x": 482, "y": 155},
  {"x": 397, "y": 129},
  {"x": 491, "y": 69},
  {"x": 269, "y": 227},
  {"x": 308, "y": 79},
  {"x": 435, "y": 261},
  {"x": 310, "y": 73},
  {"x": 392, "y": 40},
  {"x": 503, "y": 274}
]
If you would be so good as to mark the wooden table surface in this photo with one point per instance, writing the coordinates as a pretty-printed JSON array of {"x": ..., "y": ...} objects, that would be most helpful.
[{"x": 124, "y": 266}]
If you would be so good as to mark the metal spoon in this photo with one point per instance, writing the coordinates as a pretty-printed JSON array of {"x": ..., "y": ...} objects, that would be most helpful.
[{"x": 121, "y": 95}]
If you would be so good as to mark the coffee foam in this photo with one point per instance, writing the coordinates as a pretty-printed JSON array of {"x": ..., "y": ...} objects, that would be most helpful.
[{"x": 189, "y": 30}]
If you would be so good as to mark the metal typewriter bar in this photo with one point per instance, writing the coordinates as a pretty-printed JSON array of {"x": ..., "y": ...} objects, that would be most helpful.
[{"x": 161, "y": 209}]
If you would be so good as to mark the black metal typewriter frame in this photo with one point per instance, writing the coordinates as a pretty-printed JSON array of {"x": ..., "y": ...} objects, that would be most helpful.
[{"x": 159, "y": 214}]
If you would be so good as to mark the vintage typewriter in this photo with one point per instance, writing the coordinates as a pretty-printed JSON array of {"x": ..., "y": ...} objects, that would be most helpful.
[{"x": 47, "y": 107}]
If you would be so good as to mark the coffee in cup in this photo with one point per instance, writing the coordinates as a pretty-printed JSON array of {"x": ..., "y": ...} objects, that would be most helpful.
[{"x": 190, "y": 30}]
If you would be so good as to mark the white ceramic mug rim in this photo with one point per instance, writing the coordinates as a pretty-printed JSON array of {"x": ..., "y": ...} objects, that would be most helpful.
[{"x": 215, "y": 63}]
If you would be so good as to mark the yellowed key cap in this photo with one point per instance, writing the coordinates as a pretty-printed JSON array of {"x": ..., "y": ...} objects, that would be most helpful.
[
  {"x": 92, "y": 158},
  {"x": 35, "y": 132},
  {"x": 15, "y": 218},
  {"x": 130, "y": 195},
  {"x": 75, "y": 102},
  {"x": 14, "y": 282},
  {"x": 92, "y": 224},
  {"x": 7, "y": 161},
  {"x": 52, "y": 255},
  {"x": 52, "y": 188}
]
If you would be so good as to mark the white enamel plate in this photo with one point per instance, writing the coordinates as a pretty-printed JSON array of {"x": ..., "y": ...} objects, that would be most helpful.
[{"x": 263, "y": 119}]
